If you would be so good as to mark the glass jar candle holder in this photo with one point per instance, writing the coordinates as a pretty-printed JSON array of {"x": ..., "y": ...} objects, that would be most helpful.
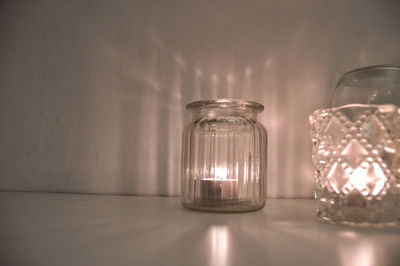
[
  {"x": 224, "y": 155},
  {"x": 356, "y": 148}
]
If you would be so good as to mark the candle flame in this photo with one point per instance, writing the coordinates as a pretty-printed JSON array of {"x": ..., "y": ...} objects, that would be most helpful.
[{"x": 221, "y": 173}]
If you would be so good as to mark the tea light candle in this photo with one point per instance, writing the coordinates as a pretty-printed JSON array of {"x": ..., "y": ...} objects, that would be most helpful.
[{"x": 212, "y": 189}]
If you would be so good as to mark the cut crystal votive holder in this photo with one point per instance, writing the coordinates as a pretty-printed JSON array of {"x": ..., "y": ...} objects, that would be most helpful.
[{"x": 356, "y": 154}]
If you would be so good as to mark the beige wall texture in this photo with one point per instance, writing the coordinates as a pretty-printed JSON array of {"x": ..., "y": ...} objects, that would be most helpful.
[{"x": 92, "y": 93}]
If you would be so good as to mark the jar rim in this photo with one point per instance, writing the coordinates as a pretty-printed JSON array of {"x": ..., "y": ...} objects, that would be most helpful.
[{"x": 225, "y": 103}]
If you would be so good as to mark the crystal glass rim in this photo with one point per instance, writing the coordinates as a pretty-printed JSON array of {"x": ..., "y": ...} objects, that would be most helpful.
[
  {"x": 225, "y": 103},
  {"x": 338, "y": 108},
  {"x": 377, "y": 67},
  {"x": 368, "y": 68}
]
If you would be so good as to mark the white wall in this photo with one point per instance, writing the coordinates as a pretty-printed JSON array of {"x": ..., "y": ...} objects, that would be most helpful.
[{"x": 93, "y": 92}]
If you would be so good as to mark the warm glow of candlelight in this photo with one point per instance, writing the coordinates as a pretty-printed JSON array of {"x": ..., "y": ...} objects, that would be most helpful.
[
  {"x": 354, "y": 153},
  {"x": 219, "y": 245},
  {"x": 363, "y": 253},
  {"x": 224, "y": 149},
  {"x": 221, "y": 173}
]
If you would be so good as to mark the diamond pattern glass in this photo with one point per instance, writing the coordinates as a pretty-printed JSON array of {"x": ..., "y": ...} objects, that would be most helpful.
[{"x": 356, "y": 154}]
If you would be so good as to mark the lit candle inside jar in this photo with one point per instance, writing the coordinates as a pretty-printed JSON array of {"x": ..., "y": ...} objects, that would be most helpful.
[
  {"x": 353, "y": 157},
  {"x": 219, "y": 187},
  {"x": 224, "y": 152}
]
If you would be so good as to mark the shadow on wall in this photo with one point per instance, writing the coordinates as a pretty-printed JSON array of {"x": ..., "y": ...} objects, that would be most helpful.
[
  {"x": 151, "y": 119},
  {"x": 153, "y": 114},
  {"x": 166, "y": 82},
  {"x": 97, "y": 89}
]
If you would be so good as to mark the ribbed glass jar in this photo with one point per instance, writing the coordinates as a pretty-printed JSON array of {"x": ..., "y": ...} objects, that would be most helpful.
[{"x": 224, "y": 157}]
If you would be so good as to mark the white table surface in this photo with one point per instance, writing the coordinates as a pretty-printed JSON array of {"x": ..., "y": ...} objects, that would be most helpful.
[{"x": 68, "y": 229}]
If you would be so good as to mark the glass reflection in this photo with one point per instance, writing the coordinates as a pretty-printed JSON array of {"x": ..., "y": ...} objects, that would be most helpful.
[
  {"x": 357, "y": 252},
  {"x": 219, "y": 244}
]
